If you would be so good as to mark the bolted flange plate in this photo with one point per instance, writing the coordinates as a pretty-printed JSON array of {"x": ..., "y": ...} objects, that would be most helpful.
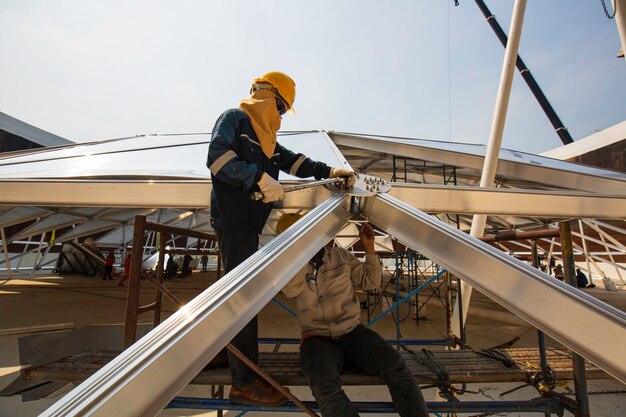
[{"x": 364, "y": 186}]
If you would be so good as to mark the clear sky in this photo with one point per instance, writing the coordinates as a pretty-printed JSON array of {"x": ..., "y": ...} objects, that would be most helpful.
[{"x": 90, "y": 70}]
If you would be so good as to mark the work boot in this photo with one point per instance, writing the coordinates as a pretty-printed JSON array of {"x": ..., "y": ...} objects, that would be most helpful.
[{"x": 260, "y": 393}]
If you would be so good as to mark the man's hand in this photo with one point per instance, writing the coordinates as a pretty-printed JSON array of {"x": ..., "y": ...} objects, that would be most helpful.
[
  {"x": 344, "y": 172},
  {"x": 271, "y": 189},
  {"x": 367, "y": 237}
]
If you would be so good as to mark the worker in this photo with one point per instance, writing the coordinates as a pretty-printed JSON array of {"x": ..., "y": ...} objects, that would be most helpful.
[
  {"x": 108, "y": 266},
  {"x": 559, "y": 273},
  {"x": 581, "y": 279},
  {"x": 171, "y": 267},
  {"x": 204, "y": 260},
  {"x": 186, "y": 269},
  {"x": 245, "y": 157},
  {"x": 329, "y": 313}
]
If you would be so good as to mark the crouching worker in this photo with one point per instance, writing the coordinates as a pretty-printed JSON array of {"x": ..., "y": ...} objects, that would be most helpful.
[{"x": 333, "y": 339}]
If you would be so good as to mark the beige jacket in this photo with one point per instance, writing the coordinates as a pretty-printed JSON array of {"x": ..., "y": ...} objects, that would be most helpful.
[{"x": 328, "y": 305}]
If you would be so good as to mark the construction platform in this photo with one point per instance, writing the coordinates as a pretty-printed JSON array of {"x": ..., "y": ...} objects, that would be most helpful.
[
  {"x": 428, "y": 367},
  {"x": 48, "y": 301}
]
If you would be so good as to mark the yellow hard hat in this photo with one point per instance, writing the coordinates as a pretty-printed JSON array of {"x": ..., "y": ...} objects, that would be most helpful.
[
  {"x": 286, "y": 220},
  {"x": 283, "y": 86}
]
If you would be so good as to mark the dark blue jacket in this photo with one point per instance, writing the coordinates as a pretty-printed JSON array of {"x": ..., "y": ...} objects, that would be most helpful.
[{"x": 237, "y": 162}]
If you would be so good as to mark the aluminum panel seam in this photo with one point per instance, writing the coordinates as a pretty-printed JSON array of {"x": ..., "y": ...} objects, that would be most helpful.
[
  {"x": 589, "y": 327},
  {"x": 336, "y": 150},
  {"x": 180, "y": 157},
  {"x": 143, "y": 378}
]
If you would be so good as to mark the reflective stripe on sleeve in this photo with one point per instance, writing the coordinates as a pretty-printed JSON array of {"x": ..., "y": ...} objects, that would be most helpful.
[
  {"x": 296, "y": 165},
  {"x": 221, "y": 161}
]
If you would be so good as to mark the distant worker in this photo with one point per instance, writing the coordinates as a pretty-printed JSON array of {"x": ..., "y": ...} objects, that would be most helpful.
[
  {"x": 126, "y": 273},
  {"x": 581, "y": 279},
  {"x": 180, "y": 262},
  {"x": 171, "y": 267},
  {"x": 558, "y": 272},
  {"x": 59, "y": 265},
  {"x": 186, "y": 270},
  {"x": 108, "y": 266},
  {"x": 329, "y": 313},
  {"x": 551, "y": 264},
  {"x": 244, "y": 157},
  {"x": 204, "y": 260}
]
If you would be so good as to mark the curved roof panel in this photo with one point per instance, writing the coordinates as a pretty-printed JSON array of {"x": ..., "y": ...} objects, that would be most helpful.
[
  {"x": 512, "y": 165},
  {"x": 151, "y": 156}
]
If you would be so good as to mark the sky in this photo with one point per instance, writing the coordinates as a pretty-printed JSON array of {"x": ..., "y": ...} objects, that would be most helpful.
[{"x": 93, "y": 70}]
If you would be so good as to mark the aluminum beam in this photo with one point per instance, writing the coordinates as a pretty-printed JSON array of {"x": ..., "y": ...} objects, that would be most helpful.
[
  {"x": 501, "y": 201},
  {"x": 604, "y": 235},
  {"x": 102, "y": 193},
  {"x": 132, "y": 193},
  {"x": 429, "y": 198},
  {"x": 589, "y": 327},
  {"x": 512, "y": 165},
  {"x": 610, "y": 226},
  {"x": 147, "y": 375}
]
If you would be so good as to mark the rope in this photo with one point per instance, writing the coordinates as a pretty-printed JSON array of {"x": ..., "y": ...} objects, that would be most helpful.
[
  {"x": 497, "y": 355},
  {"x": 489, "y": 353},
  {"x": 446, "y": 390}
]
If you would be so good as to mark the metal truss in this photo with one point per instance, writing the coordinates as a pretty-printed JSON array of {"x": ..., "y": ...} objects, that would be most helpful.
[
  {"x": 429, "y": 198},
  {"x": 146, "y": 376},
  {"x": 500, "y": 201},
  {"x": 586, "y": 325}
]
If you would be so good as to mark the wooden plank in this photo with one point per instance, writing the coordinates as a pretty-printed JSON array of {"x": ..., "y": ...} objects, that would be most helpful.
[
  {"x": 155, "y": 227},
  {"x": 134, "y": 283},
  {"x": 41, "y": 391},
  {"x": 37, "y": 329}
]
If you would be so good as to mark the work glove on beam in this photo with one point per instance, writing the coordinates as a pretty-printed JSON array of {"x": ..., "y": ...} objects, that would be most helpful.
[{"x": 347, "y": 173}]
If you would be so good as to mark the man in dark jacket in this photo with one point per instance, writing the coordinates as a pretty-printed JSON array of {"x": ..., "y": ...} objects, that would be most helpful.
[
  {"x": 245, "y": 157},
  {"x": 581, "y": 279}
]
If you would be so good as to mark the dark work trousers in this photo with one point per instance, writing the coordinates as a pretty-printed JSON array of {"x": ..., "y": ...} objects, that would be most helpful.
[
  {"x": 323, "y": 358},
  {"x": 108, "y": 272},
  {"x": 236, "y": 247}
]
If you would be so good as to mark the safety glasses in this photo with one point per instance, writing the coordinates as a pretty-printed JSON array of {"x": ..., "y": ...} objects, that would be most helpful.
[{"x": 280, "y": 106}]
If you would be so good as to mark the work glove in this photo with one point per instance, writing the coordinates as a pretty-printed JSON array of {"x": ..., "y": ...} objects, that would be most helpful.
[
  {"x": 344, "y": 172},
  {"x": 366, "y": 233},
  {"x": 271, "y": 189}
]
